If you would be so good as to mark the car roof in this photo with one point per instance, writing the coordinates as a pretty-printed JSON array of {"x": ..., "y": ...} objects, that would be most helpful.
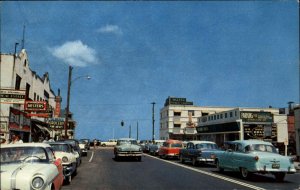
[
  {"x": 248, "y": 142},
  {"x": 200, "y": 142},
  {"x": 128, "y": 139},
  {"x": 44, "y": 145}
]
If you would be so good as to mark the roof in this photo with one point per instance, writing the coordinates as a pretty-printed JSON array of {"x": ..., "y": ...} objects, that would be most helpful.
[
  {"x": 200, "y": 142},
  {"x": 44, "y": 145}
]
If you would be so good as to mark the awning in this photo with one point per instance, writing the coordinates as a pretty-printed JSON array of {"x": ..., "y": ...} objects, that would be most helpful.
[{"x": 42, "y": 128}]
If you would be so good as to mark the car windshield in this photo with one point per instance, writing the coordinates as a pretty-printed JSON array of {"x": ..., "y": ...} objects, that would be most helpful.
[
  {"x": 207, "y": 146},
  {"x": 61, "y": 147},
  {"x": 120, "y": 142},
  {"x": 23, "y": 154},
  {"x": 261, "y": 148},
  {"x": 176, "y": 145}
]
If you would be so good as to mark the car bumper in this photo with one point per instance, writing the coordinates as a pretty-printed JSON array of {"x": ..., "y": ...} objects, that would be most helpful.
[
  {"x": 69, "y": 169},
  {"x": 129, "y": 154},
  {"x": 208, "y": 160}
]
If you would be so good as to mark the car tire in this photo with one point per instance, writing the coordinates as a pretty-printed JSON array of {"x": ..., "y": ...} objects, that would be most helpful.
[
  {"x": 279, "y": 176},
  {"x": 116, "y": 158},
  {"x": 245, "y": 173},
  {"x": 194, "y": 162},
  {"x": 220, "y": 169},
  {"x": 181, "y": 159}
]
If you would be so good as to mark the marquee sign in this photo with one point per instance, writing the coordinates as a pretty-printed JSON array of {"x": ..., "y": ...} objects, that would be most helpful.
[
  {"x": 35, "y": 106},
  {"x": 256, "y": 116},
  {"x": 56, "y": 123},
  {"x": 11, "y": 96}
]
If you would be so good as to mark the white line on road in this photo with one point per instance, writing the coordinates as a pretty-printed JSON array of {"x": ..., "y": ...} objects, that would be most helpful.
[
  {"x": 91, "y": 156},
  {"x": 211, "y": 174}
]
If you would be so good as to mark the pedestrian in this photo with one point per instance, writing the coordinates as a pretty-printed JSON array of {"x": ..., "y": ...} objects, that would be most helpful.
[
  {"x": 16, "y": 139},
  {"x": 95, "y": 143}
]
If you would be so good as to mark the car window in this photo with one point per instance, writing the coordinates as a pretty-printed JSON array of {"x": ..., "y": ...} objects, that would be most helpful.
[
  {"x": 263, "y": 148},
  {"x": 175, "y": 145},
  {"x": 239, "y": 148},
  {"x": 50, "y": 154},
  {"x": 21, "y": 154}
]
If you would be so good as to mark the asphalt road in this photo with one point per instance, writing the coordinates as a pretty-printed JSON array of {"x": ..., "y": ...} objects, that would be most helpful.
[{"x": 100, "y": 171}]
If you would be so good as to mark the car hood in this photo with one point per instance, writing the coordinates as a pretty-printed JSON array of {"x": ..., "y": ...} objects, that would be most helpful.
[
  {"x": 24, "y": 173},
  {"x": 129, "y": 147}
]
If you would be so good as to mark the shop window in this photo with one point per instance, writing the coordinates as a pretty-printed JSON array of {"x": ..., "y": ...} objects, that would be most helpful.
[{"x": 18, "y": 82}]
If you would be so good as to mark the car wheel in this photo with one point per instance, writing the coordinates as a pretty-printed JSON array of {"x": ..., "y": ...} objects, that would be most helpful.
[
  {"x": 244, "y": 172},
  {"x": 220, "y": 169},
  {"x": 181, "y": 159},
  {"x": 279, "y": 176},
  {"x": 116, "y": 157},
  {"x": 194, "y": 162}
]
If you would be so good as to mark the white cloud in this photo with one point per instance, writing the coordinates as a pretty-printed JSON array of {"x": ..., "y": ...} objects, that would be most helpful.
[
  {"x": 110, "y": 29},
  {"x": 75, "y": 53}
]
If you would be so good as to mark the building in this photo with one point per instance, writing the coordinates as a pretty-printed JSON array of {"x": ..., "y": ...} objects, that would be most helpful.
[
  {"x": 179, "y": 118},
  {"x": 27, "y": 100},
  {"x": 244, "y": 123},
  {"x": 297, "y": 130}
]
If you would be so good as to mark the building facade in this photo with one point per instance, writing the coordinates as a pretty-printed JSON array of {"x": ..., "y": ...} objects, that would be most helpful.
[
  {"x": 297, "y": 130},
  {"x": 27, "y": 100},
  {"x": 179, "y": 118}
]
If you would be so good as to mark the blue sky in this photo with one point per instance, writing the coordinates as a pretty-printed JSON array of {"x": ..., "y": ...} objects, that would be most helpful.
[{"x": 238, "y": 53}]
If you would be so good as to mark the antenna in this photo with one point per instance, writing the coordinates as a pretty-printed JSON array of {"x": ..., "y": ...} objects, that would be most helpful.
[{"x": 23, "y": 39}]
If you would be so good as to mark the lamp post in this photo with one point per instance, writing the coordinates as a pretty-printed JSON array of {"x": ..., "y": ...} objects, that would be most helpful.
[{"x": 68, "y": 98}]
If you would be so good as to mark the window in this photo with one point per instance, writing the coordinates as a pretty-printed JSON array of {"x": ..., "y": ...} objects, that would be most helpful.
[
  {"x": 46, "y": 94},
  {"x": 177, "y": 113},
  {"x": 218, "y": 116},
  {"x": 27, "y": 91},
  {"x": 18, "y": 82},
  {"x": 221, "y": 116},
  {"x": 215, "y": 117},
  {"x": 235, "y": 113},
  {"x": 204, "y": 113},
  {"x": 34, "y": 96},
  {"x": 191, "y": 111},
  {"x": 177, "y": 125},
  {"x": 38, "y": 98},
  {"x": 225, "y": 115},
  {"x": 230, "y": 114}
]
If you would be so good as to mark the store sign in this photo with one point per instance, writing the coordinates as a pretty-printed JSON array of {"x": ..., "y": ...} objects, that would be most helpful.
[
  {"x": 10, "y": 96},
  {"x": 256, "y": 117},
  {"x": 19, "y": 120},
  {"x": 260, "y": 131},
  {"x": 56, "y": 123},
  {"x": 35, "y": 106},
  {"x": 177, "y": 101}
]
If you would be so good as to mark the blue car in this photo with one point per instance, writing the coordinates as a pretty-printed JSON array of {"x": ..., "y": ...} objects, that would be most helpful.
[{"x": 254, "y": 156}]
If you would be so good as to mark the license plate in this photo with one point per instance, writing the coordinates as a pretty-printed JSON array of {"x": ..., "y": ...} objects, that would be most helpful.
[{"x": 275, "y": 166}]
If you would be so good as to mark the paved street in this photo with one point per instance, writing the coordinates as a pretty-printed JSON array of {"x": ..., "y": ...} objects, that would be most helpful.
[{"x": 100, "y": 171}]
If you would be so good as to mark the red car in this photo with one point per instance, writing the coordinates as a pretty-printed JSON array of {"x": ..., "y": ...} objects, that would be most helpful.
[{"x": 170, "y": 149}]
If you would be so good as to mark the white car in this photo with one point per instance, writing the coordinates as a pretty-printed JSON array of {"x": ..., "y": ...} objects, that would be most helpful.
[
  {"x": 28, "y": 166},
  {"x": 110, "y": 142},
  {"x": 83, "y": 147},
  {"x": 65, "y": 152}
]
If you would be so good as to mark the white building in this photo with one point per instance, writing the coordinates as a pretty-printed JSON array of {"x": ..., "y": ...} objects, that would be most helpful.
[
  {"x": 177, "y": 115},
  {"x": 18, "y": 78},
  {"x": 242, "y": 124}
]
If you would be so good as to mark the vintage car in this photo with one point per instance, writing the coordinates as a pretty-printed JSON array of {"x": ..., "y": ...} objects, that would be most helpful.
[
  {"x": 153, "y": 148},
  {"x": 75, "y": 146},
  {"x": 83, "y": 147},
  {"x": 65, "y": 152},
  {"x": 170, "y": 149},
  {"x": 110, "y": 142},
  {"x": 88, "y": 143},
  {"x": 30, "y": 166},
  {"x": 128, "y": 147},
  {"x": 254, "y": 156},
  {"x": 199, "y": 152}
]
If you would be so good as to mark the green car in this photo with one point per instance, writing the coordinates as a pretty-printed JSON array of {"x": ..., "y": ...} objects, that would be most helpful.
[
  {"x": 128, "y": 147},
  {"x": 254, "y": 156}
]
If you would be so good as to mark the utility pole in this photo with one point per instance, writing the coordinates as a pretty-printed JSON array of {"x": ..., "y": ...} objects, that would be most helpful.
[
  {"x": 137, "y": 130},
  {"x": 153, "y": 103},
  {"x": 130, "y": 131},
  {"x": 68, "y": 103}
]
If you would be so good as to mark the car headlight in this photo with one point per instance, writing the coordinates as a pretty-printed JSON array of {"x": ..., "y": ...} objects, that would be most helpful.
[
  {"x": 37, "y": 182},
  {"x": 140, "y": 149},
  {"x": 65, "y": 159}
]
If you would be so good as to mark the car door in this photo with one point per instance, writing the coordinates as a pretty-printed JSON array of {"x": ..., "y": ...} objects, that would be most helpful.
[{"x": 226, "y": 159}]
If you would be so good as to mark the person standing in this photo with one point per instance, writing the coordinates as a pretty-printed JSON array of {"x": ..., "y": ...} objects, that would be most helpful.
[{"x": 95, "y": 143}]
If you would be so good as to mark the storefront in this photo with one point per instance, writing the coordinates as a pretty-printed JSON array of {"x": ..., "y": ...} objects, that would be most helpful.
[{"x": 19, "y": 124}]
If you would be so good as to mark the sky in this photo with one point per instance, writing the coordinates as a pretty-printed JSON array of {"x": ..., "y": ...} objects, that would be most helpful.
[{"x": 214, "y": 53}]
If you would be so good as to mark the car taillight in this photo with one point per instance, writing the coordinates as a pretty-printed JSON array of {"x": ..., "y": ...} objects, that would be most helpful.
[{"x": 256, "y": 158}]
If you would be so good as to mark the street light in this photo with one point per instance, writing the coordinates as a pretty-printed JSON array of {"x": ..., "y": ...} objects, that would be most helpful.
[{"x": 68, "y": 98}]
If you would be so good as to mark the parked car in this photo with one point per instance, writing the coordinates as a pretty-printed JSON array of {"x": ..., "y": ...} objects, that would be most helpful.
[
  {"x": 88, "y": 143},
  {"x": 30, "y": 166},
  {"x": 128, "y": 147},
  {"x": 110, "y": 142},
  {"x": 199, "y": 152},
  {"x": 83, "y": 147},
  {"x": 254, "y": 156},
  {"x": 170, "y": 149},
  {"x": 68, "y": 155},
  {"x": 153, "y": 148},
  {"x": 75, "y": 146}
]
